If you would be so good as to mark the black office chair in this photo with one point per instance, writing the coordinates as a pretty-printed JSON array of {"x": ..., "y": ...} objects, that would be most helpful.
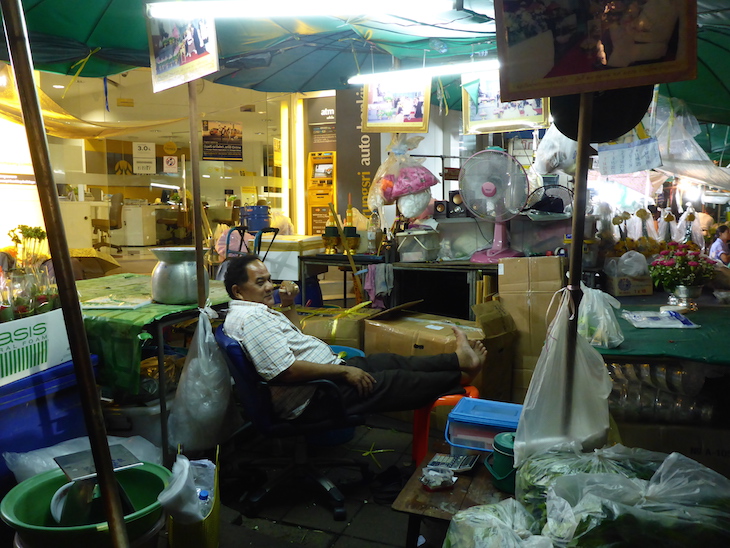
[
  {"x": 114, "y": 222},
  {"x": 254, "y": 396}
]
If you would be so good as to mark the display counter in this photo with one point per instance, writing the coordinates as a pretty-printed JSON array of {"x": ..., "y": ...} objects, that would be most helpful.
[
  {"x": 139, "y": 226},
  {"x": 77, "y": 218}
]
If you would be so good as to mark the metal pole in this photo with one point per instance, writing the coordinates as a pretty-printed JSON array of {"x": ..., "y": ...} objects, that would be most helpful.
[
  {"x": 585, "y": 123},
  {"x": 197, "y": 203},
  {"x": 18, "y": 46}
]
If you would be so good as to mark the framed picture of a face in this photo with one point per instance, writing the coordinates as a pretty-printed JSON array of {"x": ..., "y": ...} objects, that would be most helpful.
[
  {"x": 484, "y": 112},
  {"x": 576, "y": 46},
  {"x": 396, "y": 106}
]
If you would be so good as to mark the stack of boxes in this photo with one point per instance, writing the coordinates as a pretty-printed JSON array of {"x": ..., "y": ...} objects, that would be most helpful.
[{"x": 526, "y": 288}]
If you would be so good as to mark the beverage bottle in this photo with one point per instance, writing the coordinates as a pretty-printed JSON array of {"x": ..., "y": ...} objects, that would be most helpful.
[
  {"x": 206, "y": 502},
  {"x": 373, "y": 228}
]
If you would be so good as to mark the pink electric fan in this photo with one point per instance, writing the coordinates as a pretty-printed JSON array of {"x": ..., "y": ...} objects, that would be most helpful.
[{"x": 494, "y": 187}]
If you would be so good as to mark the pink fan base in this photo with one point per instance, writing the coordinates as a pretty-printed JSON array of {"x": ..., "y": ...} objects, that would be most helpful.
[{"x": 500, "y": 247}]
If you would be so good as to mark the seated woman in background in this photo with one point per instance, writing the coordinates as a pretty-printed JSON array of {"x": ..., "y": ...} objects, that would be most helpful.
[{"x": 720, "y": 250}]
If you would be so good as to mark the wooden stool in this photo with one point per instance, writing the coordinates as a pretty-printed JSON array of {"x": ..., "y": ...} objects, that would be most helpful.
[{"x": 422, "y": 421}]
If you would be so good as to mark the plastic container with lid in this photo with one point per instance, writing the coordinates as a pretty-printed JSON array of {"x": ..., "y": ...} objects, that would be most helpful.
[
  {"x": 474, "y": 423},
  {"x": 418, "y": 245},
  {"x": 501, "y": 462}
]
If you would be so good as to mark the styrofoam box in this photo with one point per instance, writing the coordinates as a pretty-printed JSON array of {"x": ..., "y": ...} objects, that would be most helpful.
[
  {"x": 418, "y": 245},
  {"x": 473, "y": 422},
  {"x": 282, "y": 259}
]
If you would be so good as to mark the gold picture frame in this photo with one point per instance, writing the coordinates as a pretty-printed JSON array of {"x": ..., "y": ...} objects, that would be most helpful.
[
  {"x": 483, "y": 112},
  {"x": 396, "y": 106}
]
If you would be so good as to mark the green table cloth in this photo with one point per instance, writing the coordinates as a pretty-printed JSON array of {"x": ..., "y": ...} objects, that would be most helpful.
[
  {"x": 116, "y": 335},
  {"x": 705, "y": 344}
]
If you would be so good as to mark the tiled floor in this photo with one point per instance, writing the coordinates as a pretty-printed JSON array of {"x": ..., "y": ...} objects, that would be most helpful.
[{"x": 297, "y": 514}]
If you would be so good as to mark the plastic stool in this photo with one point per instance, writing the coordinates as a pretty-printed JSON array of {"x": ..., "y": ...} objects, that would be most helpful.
[{"x": 422, "y": 421}]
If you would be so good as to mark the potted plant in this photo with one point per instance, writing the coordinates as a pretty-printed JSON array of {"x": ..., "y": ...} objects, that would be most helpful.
[
  {"x": 230, "y": 199},
  {"x": 680, "y": 267}
]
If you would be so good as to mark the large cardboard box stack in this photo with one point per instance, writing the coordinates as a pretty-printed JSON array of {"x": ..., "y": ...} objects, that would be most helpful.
[
  {"x": 282, "y": 259},
  {"x": 526, "y": 286}
]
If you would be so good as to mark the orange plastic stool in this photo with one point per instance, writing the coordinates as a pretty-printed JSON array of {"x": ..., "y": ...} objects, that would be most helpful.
[{"x": 422, "y": 421}]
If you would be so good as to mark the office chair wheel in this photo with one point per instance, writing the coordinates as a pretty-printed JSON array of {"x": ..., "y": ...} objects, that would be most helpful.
[{"x": 340, "y": 514}]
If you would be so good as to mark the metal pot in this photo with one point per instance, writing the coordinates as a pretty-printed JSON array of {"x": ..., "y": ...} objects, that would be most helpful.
[
  {"x": 687, "y": 291},
  {"x": 174, "y": 278}
]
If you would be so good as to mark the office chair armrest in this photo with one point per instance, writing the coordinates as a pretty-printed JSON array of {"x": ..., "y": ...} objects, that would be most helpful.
[{"x": 334, "y": 401}]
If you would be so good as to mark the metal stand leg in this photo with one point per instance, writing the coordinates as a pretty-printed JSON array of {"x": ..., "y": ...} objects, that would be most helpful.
[{"x": 414, "y": 528}]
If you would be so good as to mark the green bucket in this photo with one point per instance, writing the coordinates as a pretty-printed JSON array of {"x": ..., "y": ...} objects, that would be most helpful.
[
  {"x": 27, "y": 509},
  {"x": 502, "y": 462}
]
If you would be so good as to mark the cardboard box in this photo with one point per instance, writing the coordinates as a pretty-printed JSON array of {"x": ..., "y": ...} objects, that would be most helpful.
[
  {"x": 624, "y": 286},
  {"x": 500, "y": 335},
  {"x": 32, "y": 344},
  {"x": 706, "y": 445},
  {"x": 342, "y": 326},
  {"x": 521, "y": 274},
  {"x": 282, "y": 259},
  {"x": 532, "y": 316},
  {"x": 415, "y": 334}
]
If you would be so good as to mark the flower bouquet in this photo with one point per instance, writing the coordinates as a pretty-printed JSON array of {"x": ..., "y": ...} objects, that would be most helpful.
[{"x": 680, "y": 265}]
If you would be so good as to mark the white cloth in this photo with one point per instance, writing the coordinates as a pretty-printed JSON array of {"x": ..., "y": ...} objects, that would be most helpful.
[{"x": 273, "y": 344}]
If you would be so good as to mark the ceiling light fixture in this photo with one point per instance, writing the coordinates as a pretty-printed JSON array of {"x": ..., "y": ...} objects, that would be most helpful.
[
  {"x": 161, "y": 185},
  {"x": 58, "y": 86},
  {"x": 426, "y": 72},
  {"x": 292, "y": 8}
]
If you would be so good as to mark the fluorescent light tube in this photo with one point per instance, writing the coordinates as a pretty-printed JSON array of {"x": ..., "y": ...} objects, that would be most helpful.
[
  {"x": 426, "y": 72},
  {"x": 292, "y": 8},
  {"x": 170, "y": 187}
]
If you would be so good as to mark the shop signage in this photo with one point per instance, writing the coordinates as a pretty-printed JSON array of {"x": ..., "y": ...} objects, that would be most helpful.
[
  {"x": 169, "y": 164},
  {"x": 358, "y": 153},
  {"x": 222, "y": 140},
  {"x": 143, "y": 155}
]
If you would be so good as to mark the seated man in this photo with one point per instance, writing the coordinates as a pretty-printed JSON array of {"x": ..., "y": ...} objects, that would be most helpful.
[{"x": 280, "y": 351}]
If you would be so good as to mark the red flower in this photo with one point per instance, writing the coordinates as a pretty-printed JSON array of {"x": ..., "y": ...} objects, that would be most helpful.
[
  {"x": 664, "y": 252},
  {"x": 680, "y": 253},
  {"x": 693, "y": 263}
]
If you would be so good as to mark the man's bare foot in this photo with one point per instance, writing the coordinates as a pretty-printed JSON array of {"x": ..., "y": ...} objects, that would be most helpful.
[{"x": 472, "y": 356}]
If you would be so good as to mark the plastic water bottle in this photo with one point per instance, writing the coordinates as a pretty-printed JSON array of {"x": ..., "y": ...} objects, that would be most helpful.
[
  {"x": 373, "y": 227},
  {"x": 206, "y": 502}
]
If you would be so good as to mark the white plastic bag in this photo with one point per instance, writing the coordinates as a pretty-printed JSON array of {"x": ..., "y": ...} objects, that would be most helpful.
[
  {"x": 596, "y": 321},
  {"x": 203, "y": 415},
  {"x": 541, "y": 424}
]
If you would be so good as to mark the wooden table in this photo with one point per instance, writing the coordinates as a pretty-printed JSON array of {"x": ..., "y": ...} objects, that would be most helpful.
[{"x": 472, "y": 489}]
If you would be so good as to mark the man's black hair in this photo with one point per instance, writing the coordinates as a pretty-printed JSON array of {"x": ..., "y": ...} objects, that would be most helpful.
[{"x": 237, "y": 273}]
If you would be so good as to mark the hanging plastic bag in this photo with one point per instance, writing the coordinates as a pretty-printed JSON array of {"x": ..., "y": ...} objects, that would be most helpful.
[
  {"x": 400, "y": 174},
  {"x": 596, "y": 320},
  {"x": 544, "y": 421},
  {"x": 203, "y": 415}
]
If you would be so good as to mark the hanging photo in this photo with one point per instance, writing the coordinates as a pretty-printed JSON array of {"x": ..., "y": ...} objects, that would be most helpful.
[
  {"x": 181, "y": 51},
  {"x": 396, "y": 106},
  {"x": 484, "y": 112},
  {"x": 577, "y": 46}
]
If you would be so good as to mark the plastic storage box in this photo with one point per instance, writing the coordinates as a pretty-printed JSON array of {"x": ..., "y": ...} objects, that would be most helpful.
[
  {"x": 39, "y": 411},
  {"x": 473, "y": 423},
  {"x": 418, "y": 245}
]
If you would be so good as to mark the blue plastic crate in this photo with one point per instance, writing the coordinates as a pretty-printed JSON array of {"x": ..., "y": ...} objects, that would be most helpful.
[
  {"x": 473, "y": 422},
  {"x": 39, "y": 411}
]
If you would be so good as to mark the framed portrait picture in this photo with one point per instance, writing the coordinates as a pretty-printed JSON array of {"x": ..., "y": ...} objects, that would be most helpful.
[
  {"x": 484, "y": 112},
  {"x": 181, "y": 51},
  {"x": 581, "y": 46},
  {"x": 396, "y": 106}
]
